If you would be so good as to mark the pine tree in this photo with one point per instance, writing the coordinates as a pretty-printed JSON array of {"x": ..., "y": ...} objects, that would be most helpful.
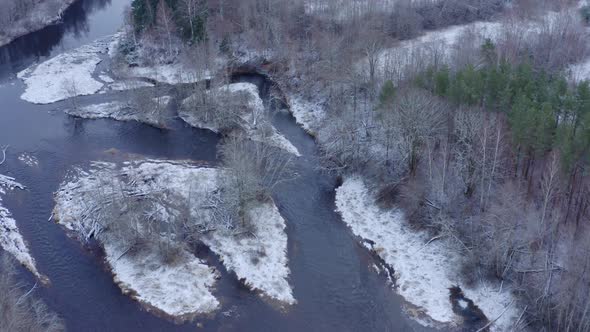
[
  {"x": 441, "y": 81},
  {"x": 387, "y": 94},
  {"x": 144, "y": 14}
]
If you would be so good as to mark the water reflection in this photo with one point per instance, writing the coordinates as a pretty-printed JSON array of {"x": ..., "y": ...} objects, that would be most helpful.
[{"x": 26, "y": 49}]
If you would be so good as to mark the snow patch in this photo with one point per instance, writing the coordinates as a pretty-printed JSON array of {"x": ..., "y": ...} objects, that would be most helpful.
[
  {"x": 105, "y": 78},
  {"x": 129, "y": 85},
  {"x": 123, "y": 111},
  {"x": 28, "y": 159},
  {"x": 181, "y": 289},
  {"x": 345, "y": 9},
  {"x": 423, "y": 273},
  {"x": 393, "y": 62},
  {"x": 580, "y": 71},
  {"x": 262, "y": 260},
  {"x": 10, "y": 238},
  {"x": 64, "y": 76},
  {"x": 307, "y": 113},
  {"x": 175, "y": 73}
]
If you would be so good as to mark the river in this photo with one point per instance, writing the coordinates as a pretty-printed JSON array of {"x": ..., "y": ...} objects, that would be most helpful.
[{"x": 332, "y": 275}]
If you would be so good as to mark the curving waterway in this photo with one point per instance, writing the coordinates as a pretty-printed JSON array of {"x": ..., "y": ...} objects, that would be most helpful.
[{"x": 332, "y": 275}]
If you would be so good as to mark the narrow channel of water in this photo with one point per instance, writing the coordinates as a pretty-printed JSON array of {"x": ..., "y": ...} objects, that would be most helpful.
[{"x": 333, "y": 281}]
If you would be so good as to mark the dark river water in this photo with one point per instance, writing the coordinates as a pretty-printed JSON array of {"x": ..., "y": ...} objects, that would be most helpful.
[{"x": 336, "y": 288}]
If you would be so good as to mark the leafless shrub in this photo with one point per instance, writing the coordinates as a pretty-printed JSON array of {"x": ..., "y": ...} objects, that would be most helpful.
[
  {"x": 218, "y": 107},
  {"x": 558, "y": 42},
  {"x": 20, "y": 311},
  {"x": 251, "y": 172}
]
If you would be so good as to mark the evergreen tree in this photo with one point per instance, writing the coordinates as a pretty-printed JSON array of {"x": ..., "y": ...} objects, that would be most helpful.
[
  {"x": 441, "y": 81},
  {"x": 144, "y": 13},
  {"x": 387, "y": 94}
]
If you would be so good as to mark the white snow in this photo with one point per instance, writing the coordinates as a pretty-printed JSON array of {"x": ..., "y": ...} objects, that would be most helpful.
[
  {"x": 262, "y": 260},
  {"x": 123, "y": 111},
  {"x": 64, "y": 76},
  {"x": 423, "y": 272},
  {"x": 183, "y": 289},
  {"x": 115, "y": 42},
  {"x": 252, "y": 117},
  {"x": 106, "y": 78},
  {"x": 438, "y": 46},
  {"x": 307, "y": 113},
  {"x": 38, "y": 16},
  {"x": 580, "y": 71},
  {"x": 129, "y": 85},
  {"x": 415, "y": 52},
  {"x": 28, "y": 159},
  {"x": 345, "y": 9},
  {"x": 10, "y": 238},
  {"x": 169, "y": 73}
]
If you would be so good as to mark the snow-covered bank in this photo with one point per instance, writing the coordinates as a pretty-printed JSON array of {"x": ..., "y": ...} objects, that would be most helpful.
[
  {"x": 125, "y": 111},
  {"x": 424, "y": 271},
  {"x": 67, "y": 75},
  {"x": 183, "y": 288},
  {"x": 260, "y": 261},
  {"x": 169, "y": 73},
  {"x": 43, "y": 14},
  {"x": 439, "y": 47},
  {"x": 308, "y": 114},
  {"x": 10, "y": 238},
  {"x": 73, "y": 74},
  {"x": 435, "y": 45},
  {"x": 128, "y": 85},
  {"x": 345, "y": 9},
  {"x": 246, "y": 98},
  {"x": 147, "y": 66}
]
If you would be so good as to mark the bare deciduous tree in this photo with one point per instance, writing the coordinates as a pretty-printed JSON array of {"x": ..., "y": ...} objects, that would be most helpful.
[{"x": 251, "y": 172}]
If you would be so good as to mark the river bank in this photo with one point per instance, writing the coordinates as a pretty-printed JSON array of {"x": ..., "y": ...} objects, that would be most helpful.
[
  {"x": 42, "y": 15},
  {"x": 11, "y": 240}
]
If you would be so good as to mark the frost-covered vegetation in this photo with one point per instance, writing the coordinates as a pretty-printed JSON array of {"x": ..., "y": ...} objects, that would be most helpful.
[
  {"x": 150, "y": 215},
  {"x": 456, "y": 112},
  {"x": 20, "y": 311},
  {"x": 141, "y": 106},
  {"x": 11, "y": 240},
  {"x": 425, "y": 269},
  {"x": 65, "y": 76},
  {"x": 233, "y": 109},
  {"x": 19, "y": 17}
]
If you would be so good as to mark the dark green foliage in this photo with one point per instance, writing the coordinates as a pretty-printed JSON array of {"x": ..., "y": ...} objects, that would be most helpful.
[
  {"x": 544, "y": 112},
  {"x": 441, "y": 82},
  {"x": 144, "y": 14},
  {"x": 585, "y": 12},
  {"x": 387, "y": 94},
  {"x": 225, "y": 45},
  {"x": 488, "y": 50}
]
